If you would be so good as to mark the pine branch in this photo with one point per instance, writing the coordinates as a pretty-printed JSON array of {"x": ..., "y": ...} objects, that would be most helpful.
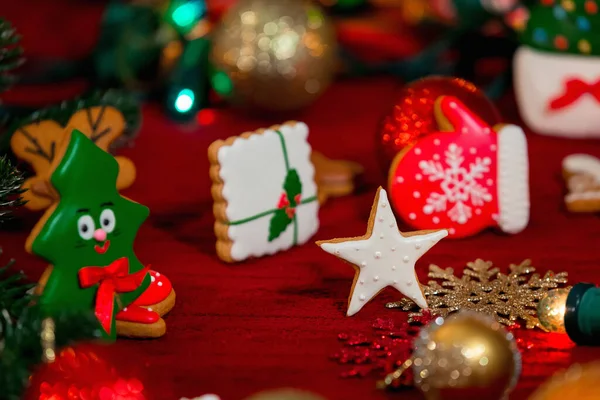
[
  {"x": 14, "y": 292},
  {"x": 10, "y": 54},
  {"x": 21, "y": 348},
  {"x": 10, "y": 188},
  {"x": 20, "y": 332}
]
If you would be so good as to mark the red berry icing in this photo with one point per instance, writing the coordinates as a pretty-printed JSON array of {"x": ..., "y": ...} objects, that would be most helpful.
[
  {"x": 138, "y": 315},
  {"x": 447, "y": 180},
  {"x": 159, "y": 289},
  {"x": 285, "y": 203}
]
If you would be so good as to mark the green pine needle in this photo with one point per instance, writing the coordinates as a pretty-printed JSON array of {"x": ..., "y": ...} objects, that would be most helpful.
[
  {"x": 21, "y": 345},
  {"x": 14, "y": 292},
  {"x": 20, "y": 332},
  {"x": 10, "y": 188},
  {"x": 10, "y": 54}
]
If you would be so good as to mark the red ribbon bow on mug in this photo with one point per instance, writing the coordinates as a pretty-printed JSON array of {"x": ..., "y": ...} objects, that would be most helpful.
[
  {"x": 574, "y": 89},
  {"x": 114, "y": 278}
]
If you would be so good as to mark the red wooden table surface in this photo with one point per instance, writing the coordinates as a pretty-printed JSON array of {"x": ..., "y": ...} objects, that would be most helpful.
[{"x": 274, "y": 321}]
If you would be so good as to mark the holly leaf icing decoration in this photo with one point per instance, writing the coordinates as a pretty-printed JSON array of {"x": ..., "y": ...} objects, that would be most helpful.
[
  {"x": 292, "y": 186},
  {"x": 67, "y": 236},
  {"x": 284, "y": 216},
  {"x": 279, "y": 223}
]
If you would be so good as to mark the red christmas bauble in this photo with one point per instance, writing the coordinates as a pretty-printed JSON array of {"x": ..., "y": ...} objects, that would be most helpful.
[
  {"x": 412, "y": 116},
  {"x": 83, "y": 373}
]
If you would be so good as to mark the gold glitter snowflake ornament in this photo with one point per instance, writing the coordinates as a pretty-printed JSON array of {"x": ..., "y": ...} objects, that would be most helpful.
[{"x": 483, "y": 288}]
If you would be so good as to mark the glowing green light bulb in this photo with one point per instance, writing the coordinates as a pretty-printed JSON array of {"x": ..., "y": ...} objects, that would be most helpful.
[
  {"x": 188, "y": 13},
  {"x": 221, "y": 83},
  {"x": 185, "y": 101}
]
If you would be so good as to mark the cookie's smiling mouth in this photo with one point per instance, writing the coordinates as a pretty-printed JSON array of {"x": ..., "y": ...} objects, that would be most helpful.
[{"x": 102, "y": 249}]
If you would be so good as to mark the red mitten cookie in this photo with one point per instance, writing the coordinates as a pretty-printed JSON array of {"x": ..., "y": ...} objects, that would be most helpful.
[{"x": 465, "y": 178}]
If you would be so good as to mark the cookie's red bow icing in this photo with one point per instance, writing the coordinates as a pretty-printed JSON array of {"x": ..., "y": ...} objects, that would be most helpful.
[
  {"x": 285, "y": 203},
  {"x": 114, "y": 278},
  {"x": 574, "y": 89}
]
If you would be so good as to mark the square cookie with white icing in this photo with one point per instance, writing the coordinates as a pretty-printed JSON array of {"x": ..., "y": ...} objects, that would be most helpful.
[{"x": 264, "y": 191}]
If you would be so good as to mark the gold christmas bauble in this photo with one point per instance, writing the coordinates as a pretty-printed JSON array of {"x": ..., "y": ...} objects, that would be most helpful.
[
  {"x": 467, "y": 355},
  {"x": 551, "y": 310},
  {"x": 578, "y": 382},
  {"x": 285, "y": 394},
  {"x": 273, "y": 55}
]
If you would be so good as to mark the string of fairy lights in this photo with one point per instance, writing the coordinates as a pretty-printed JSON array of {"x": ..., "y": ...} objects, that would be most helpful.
[{"x": 187, "y": 90}]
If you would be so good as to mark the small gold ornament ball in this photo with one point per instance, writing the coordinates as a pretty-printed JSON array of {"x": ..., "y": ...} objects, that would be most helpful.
[
  {"x": 579, "y": 382},
  {"x": 273, "y": 55},
  {"x": 285, "y": 394},
  {"x": 551, "y": 310},
  {"x": 467, "y": 355}
]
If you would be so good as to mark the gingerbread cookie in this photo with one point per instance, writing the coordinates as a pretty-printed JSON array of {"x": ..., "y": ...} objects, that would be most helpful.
[
  {"x": 465, "y": 178},
  {"x": 334, "y": 178},
  {"x": 87, "y": 235},
  {"x": 265, "y": 196},
  {"x": 384, "y": 256},
  {"x": 582, "y": 175},
  {"x": 36, "y": 143},
  {"x": 158, "y": 297},
  {"x": 556, "y": 68}
]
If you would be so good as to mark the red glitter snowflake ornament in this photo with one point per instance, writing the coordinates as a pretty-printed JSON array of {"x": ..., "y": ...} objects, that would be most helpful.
[
  {"x": 378, "y": 353},
  {"x": 465, "y": 177},
  {"x": 412, "y": 115}
]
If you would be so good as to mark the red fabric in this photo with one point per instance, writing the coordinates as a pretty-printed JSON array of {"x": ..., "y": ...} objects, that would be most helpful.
[{"x": 272, "y": 322}]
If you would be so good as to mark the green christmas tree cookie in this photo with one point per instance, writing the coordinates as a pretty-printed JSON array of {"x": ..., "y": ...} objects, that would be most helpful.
[
  {"x": 567, "y": 26},
  {"x": 88, "y": 237},
  {"x": 557, "y": 68}
]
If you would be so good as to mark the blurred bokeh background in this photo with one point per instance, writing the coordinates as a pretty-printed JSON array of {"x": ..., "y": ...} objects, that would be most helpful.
[{"x": 259, "y": 55}]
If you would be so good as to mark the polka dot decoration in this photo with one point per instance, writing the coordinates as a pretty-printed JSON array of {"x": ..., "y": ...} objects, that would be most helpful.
[{"x": 564, "y": 26}]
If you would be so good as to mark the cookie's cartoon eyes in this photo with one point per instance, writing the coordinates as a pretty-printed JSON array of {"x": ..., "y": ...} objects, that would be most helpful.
[
  {"x": 85, "y": 226},
  {"x": 108, "y": 220}
]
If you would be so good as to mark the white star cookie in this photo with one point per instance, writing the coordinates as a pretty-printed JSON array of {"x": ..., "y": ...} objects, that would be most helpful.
[{"x": 383, "y": 256}]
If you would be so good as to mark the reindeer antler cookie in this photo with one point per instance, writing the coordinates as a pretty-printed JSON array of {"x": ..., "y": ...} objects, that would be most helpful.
[
  {"x": 582, "y": 176},
  {"x": 36, "y": 143}
]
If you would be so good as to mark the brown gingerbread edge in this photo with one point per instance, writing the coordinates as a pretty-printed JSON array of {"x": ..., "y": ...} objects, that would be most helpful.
[
  {"x": 568, "y": 174},
  {"x": 221, "y": 228},
  {"x": 582, "y": 205},
  {"x": 165, "y": 306},
  {"x": 578, "y": 205},
  {"x": 141, "y": 331},
  {"x": 367, "y": 235},
  {"x": 443, "y": 123}
]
